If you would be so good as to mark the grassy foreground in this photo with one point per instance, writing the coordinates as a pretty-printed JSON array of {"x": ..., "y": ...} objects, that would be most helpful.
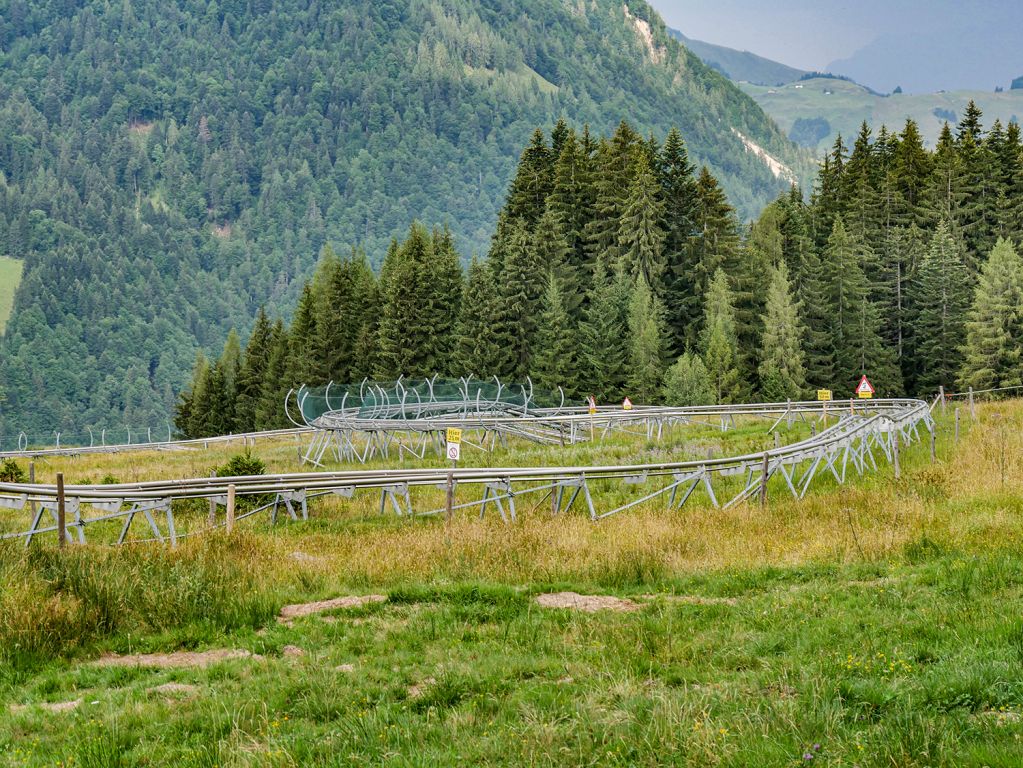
[{"x": 877, "y": 624}]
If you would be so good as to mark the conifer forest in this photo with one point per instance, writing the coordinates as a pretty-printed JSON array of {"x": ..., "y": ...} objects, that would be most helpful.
[{"x": 619, "y": 268}]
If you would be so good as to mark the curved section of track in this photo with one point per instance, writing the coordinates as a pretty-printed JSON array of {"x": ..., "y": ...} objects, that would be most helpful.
[{"x": 864, "y": 431}]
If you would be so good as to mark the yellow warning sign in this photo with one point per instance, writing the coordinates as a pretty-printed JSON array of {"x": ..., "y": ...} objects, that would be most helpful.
[
  {"x": 823, "y": 394},
  {"x": 454, "y": 435}
]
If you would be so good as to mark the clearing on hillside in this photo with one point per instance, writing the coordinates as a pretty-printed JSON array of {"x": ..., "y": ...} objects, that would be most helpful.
[{"x": 10, "y": 279}]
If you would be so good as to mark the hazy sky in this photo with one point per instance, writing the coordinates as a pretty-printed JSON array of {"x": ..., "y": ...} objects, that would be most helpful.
[{"x": 810, "y": 34}]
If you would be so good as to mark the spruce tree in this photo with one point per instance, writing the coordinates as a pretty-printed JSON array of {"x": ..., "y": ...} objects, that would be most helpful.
[
  {"x": 184, "y": 420},
  {"x": 980, "y": 200},
  {"x": 444, "y": 282},
  {"x": 533, "y": 182},
  {"x": 252, "y": 374},
  {"x": 941, "y": 298},
  {"x": 551, "y": 250},
  {"x": 678, "y": 191},
  {"x": 947, "y": 180},
  {"x": 913, "y": 168},
  {"x": 646, "y": 353},
  {"x": 687, "y": 382},
  {"x": 604, "y": 336},
  {"x": 641, "y": 234},
  {"x": 862, "y": 193},
  {"x": 553, "y": 363},
  {"x": 270, "y": 409},
  {"x": 714, "y": 244},
  {"x": 720, "y": 342},
  {"x": 856, "y": 323},
  {"x": 614, "y": 162},
  {"x": 477, "y": 349},
  {"x": 572, "y": 202},
  {"x": 994, "y": 324},
  {"x": 521, "y": 290},
  {"x": 781, "y": 371},
  {"x": 816, "y": 319},
  {"x": 303, "y": 367},
  {"x": 420, "y": 296}
]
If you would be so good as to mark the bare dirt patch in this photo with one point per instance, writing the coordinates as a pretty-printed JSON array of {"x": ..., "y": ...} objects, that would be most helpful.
[
  {"x": 49, "y": 706},
  {"x": 175, "y": 689},
  {"x": 417, "y": 690},
  {"x": 176, "y": 659},
  {"x": 344, "y": 668},
  {"x": 292, "y": 650},
  {"x": 296, "y": 611},
  {"x": 586, "y": 603},
  {"x": 221, "y": 230},
  {"x": 304, "y": 557}
]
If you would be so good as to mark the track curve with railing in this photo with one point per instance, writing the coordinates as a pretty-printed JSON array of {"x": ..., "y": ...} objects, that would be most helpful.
[{"x": 862, "y": 427}]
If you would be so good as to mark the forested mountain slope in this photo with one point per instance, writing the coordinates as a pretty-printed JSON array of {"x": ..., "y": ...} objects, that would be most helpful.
[{"x": 166, "y": 165}]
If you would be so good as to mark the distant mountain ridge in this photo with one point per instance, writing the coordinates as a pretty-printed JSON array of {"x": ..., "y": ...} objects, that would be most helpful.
[{"x": 740, "y": 66}]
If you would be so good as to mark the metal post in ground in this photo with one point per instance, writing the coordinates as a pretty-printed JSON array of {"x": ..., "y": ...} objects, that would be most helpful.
[
  {"x": 212, "y": 520},
  {"x": 934, "y": 454},
  {"x": 61, "y": 514},
  {"x": 32, "y": 504},
  {"x": 941, "y": 396},
  {"x": 895, "y": 454},
  {"x": 449, "y": 503},
  {"x": 763, "y": 481},
  {"x": 973, "y": 412},
  {"x": 957, "y": 423}
]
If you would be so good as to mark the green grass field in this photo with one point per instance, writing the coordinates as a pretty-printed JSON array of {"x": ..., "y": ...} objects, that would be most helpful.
[
  {"x": 872, "y": 624},
  {"x": 10, "y": 277},
  {"x": 846, "y": 105}
]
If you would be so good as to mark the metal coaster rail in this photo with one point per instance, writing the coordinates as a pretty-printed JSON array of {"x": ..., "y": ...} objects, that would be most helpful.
[{"x": 863, "y": 426}]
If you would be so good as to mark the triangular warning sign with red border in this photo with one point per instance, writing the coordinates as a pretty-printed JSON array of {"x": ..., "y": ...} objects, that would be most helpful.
[{"x": 864, "y": 387}]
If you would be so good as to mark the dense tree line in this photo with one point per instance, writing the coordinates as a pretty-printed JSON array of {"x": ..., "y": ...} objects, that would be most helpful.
[
  {"x": 617, "y": 268},
  {"x": 165, "y": 168}
]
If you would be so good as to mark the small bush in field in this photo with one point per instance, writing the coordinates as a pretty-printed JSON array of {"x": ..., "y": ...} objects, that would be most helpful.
[
  {"x": 11, "y": 472},
  {"x": 242, "y": 464}
]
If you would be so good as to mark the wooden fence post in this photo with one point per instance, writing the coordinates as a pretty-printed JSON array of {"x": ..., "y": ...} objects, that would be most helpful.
[
  {"x": 973, "y": 413},
  {"x": 957, "y": 424},
  {"x": 230, "y": 508}
]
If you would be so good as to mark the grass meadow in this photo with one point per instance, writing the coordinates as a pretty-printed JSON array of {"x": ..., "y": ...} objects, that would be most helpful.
[{"x": 877, "y": 623}]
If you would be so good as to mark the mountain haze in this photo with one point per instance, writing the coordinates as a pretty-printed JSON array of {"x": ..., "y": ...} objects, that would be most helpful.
[
  {"x": 965, "y": 47},
  {"x": 164, "y": 167}
]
